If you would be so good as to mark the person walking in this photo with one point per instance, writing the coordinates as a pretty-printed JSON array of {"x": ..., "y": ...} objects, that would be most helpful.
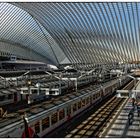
[
  {"x": 138, "y": 110},
  {"x": 130, "y": 116}
]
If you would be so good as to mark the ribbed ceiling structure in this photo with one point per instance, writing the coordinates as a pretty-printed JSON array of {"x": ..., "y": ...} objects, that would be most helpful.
[
  {"x": 80, "y": 33},
  {"x": 19, "y": 28}
]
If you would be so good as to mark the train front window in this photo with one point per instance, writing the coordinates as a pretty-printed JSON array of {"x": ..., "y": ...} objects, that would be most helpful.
[
  {"x": 79, "y": 104},
  {"x": 2, "y": 98},
  {"x": 83, "y": 102},
  {"x": 42, "y": 92},
  {"x": 90, "y": 98},
  {"x": 34, "y": 91},
  {"x": 94, "y": 97},
  {"x": 10, "y": 96},
  {"x": 37, "y": 127},
  {"x": 87, "y": 100},
  {"x": 54, "y": 118},
  {"x": 69, "y": 110},
  {"x": 45, "y": 123},
  {"x": 61, "y": 114},
  {"x": 74, "y": 107},
  {"x": 52, "y": 92}
]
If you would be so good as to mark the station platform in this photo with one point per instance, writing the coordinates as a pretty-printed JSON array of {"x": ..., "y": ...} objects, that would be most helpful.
[
  {"x": 138, "y": 86},
  {"x": 121, "y": 128}
]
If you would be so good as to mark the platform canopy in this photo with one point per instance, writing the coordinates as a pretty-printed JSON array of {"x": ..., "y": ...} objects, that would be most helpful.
[{"x": 83, "y": 34}]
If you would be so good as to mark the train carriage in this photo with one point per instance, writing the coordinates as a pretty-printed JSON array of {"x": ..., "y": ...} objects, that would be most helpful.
[{"x": 43, "y": 122}]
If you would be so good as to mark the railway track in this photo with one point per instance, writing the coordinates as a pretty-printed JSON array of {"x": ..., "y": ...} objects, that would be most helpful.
[
  {"x": 129, "y": 85},
  {"x": 44, "y": 106},
  {"x": 79, "y": 122},
  {"x": 14, "y": 107},
  {"x": 94, "y": 125}
]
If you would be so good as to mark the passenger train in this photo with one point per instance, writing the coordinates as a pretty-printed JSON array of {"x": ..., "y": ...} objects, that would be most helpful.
[
  {"x": 45, "y": 121},
  {"x": 48, "y": 89}
]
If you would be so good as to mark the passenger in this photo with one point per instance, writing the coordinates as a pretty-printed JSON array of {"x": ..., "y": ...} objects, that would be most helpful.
[
  {"x": 133, "y": 102},
  {"x": 138, "y": 110},
  {"x": 130, "y": 116}
]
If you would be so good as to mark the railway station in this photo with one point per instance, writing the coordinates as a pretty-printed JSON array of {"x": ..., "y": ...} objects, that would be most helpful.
[{"x": 70, "y": 70}]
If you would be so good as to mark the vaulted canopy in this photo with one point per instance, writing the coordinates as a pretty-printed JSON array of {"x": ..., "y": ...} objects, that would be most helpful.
[{"x": 82, "y": 34}]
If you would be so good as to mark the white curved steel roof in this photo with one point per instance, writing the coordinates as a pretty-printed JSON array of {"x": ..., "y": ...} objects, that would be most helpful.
[{"x": 79, "y": 33}]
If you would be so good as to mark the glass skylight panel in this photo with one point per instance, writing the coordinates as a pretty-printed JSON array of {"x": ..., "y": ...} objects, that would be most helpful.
[
  {"x": 23, "y": 29},
  {"x": 110, "y": 29}
]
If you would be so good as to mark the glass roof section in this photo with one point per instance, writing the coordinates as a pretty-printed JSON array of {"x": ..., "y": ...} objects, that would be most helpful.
[
  {"x": 84, "y": 33},
  {"x": 20, "y": 27}
]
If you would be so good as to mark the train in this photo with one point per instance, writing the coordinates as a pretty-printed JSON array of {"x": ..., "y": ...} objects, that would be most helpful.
[
  {"x": 11, "y": 93},
  {"x": 44, "y": 121},
  {"x": 48, "y": 88}
]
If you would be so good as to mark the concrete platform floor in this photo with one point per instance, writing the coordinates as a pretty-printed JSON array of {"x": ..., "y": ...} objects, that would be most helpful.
[{"x": 121, "y": 128}]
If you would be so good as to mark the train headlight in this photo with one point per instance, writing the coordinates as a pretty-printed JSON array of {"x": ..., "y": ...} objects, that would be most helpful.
[
  {"x": 29, "y": 83},
  {"x": 37, "y": 85}
]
